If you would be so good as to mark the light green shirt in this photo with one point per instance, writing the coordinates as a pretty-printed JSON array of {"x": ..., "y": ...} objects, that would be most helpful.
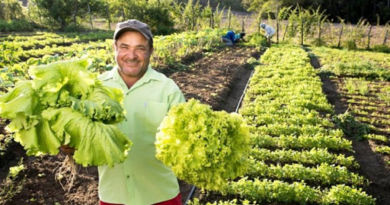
[{"x": 141, "y": 179}]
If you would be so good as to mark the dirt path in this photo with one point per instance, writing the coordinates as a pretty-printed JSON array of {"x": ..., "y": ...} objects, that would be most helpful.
[
  {"x": 217, "y": 80},
  {"x": 371, "y": 164}
]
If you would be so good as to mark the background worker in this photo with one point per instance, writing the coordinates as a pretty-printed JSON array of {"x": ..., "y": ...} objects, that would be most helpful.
[
  {"x": 148, "y": 95},
  {"x": 231, "y": 38},
  {"x": 269, "y": 32}
]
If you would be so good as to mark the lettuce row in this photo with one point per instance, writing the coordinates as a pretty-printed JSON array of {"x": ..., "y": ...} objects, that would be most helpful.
[{"x": 64, "y": 104}]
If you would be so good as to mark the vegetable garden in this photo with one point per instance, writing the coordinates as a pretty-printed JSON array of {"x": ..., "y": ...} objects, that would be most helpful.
[{"x": 305, "y": 147}]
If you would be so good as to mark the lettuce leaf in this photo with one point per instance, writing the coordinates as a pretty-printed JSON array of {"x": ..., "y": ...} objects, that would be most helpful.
[{"x": 96, "y": 143}]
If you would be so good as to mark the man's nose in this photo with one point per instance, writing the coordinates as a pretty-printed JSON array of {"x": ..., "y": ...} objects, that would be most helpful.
[{"x": 131, "y": 53}]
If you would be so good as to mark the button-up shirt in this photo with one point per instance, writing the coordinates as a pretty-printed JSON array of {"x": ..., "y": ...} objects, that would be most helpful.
[{"x": 141, "y": 179}]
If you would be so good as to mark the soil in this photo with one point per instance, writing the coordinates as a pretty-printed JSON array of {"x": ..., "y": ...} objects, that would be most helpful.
[
  {"x": 372, "y": 164},
  {"x": 218, "y": 80}
]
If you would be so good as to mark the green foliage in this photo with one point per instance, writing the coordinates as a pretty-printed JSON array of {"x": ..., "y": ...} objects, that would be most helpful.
[
  {"x": 64, "y": 104},
  {"x": 342, "y": 194},
  {"x": 192, "y": 15},
  {"x": 357, "y": 86},
  {"x": 360, "y": 64},
  {"x": 61, "y": 13},
  {"x": 266, "y": 191},
  {"x": 381, "y": 138},
  {"x": 310, "y": 157},
  {"x": 256, "y": 39},
  {"x": 356, "y": 34},
  {"x": 383, "y": 149},
  {"x": 156, "y": 13},
  {"x": 350, "y": 126},
  {"x": 323, "y": 174},
  {"x": 73, "y": 28},
  {"x": 350, "y": 45},
  {"x": 10, "y": 10},
  {"x": 203, "y": 147},
  {"x": 381, "y": 48},
  {"x": 16, "y": 25},
  {"x": 230, "y": 202},
  {"x": 367, "y": 70},
  {"x": 385, "y": 95}
]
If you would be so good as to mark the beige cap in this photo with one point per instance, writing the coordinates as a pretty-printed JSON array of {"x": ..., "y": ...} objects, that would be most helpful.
[{"x": 134, "y": 25}]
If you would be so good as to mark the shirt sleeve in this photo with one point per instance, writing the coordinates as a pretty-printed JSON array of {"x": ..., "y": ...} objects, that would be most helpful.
[{"x": 175, "y": 98}]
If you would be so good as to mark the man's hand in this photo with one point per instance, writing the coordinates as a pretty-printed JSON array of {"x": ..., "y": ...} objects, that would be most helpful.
[{"x": 67, "y": 150}]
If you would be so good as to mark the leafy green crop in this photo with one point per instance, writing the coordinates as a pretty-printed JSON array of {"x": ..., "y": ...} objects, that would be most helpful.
[
  {"x": 64, "y": 104},
  {"x": 203, "y": 147}
]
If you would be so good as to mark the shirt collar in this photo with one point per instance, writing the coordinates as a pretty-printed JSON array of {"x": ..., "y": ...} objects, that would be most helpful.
[{"x": 149, "y": 75}]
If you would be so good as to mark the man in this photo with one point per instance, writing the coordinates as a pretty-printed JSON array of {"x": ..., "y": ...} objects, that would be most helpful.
[
  {"x": 269, "y": 32},
  {"x": 141, "y": 179},
  {"x": 231, "y": 38}
]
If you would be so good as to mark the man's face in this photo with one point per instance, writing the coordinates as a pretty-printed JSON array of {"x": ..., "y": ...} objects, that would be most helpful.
[{"x": 132, "y": 54}]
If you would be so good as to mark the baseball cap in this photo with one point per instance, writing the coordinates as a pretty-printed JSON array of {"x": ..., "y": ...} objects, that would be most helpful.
[{"x": 134, "y": 25}]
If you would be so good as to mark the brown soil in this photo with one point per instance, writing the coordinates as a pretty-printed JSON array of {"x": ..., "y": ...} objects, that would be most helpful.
[
  {"x": 217, "y": 80},
  {"x": 372, "y": 164}
]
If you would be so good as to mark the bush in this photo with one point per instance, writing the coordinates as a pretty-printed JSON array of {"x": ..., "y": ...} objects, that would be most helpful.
[
  {"x": 350, "y": 45},
  {"x": 381, "y": 48},
  {"x": 16, "y": 25},
  {"x": 74, "y": 28}
]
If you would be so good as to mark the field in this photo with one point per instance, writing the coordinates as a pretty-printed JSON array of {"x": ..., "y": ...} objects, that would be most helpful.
[{"x": 305, "y": 148}]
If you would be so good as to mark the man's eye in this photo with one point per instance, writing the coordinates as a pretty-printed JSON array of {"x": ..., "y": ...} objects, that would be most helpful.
[{"x": 140, "y": 49}]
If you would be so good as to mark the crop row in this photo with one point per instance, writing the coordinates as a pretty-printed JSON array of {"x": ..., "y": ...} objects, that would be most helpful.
[
  {"x": 310, "y": 157},
  {"x": 46, "y": 38},
  {"x": 10, "y": 56},
  {"x": 265, "y": 190},
  {"x": 323, "y": 174},
  {"x": 291, "y": 134}
]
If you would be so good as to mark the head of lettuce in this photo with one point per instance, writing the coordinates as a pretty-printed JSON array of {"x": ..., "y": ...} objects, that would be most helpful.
[{"x": 65, "y": 104}]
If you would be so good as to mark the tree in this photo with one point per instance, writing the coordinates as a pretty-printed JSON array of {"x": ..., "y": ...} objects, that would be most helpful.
[
  {"x": 156, "y": 13},
  {"x": 10, "y": 10},
  {"x": 64, "y": 12}
]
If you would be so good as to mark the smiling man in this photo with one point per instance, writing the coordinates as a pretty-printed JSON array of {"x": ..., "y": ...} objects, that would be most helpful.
[{"x": 148, "y": 95}]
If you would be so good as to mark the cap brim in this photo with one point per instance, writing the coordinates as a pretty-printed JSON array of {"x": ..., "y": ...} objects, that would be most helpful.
[{"x": 121, "y": 31}]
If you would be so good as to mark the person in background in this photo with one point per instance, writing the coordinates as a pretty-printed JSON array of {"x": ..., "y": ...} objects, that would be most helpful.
[
  {"x": 148, "y": 95},
  {"x": 232, "y": 38},
  {"x": 269, "y": 32}
]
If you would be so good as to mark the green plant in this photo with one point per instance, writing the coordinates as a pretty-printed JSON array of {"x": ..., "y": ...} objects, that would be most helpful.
[
  {"x": 65, "y": 104},
  {"x": 381, "y": 138},
  {"x": 16, "y": 25},
  {"x": 350, "y": 85},
  {"x": 381, "y": 48},
  {"x": 350, "y": 44},
  {"x": 203, "y": 147},
  {"x": 350, "y": 126},
  {"x": 384, "y": 95}
]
